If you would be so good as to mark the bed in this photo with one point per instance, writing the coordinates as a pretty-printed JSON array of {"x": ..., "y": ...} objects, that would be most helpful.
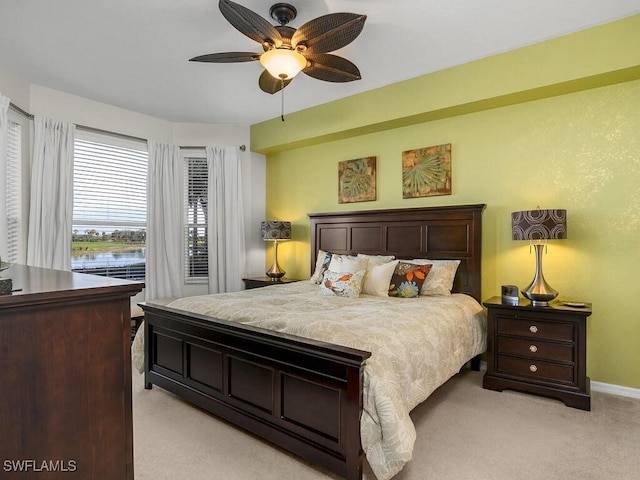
[{"x": 306, "y": 394}]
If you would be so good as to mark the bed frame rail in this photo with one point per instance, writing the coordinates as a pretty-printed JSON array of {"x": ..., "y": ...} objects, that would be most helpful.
[{"x": 302, "y": 395}]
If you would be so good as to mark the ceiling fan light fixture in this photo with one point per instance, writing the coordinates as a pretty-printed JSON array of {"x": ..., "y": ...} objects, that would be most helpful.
[
  {"x": 288, "y": 50},
  {"x": 283, "y": 63}
]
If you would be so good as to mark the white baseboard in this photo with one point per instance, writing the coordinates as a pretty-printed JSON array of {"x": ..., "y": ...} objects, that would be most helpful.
[{"x": 615, "y": 389}]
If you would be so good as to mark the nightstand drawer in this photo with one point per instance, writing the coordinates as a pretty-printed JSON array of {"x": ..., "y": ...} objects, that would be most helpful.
[
  {"x": 533, "y": 328},
  {"x": 531, "y": 368},
  {"x": 536, "y": 349}
]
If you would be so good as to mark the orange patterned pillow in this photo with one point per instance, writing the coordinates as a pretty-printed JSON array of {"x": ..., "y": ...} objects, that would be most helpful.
[
  {"x": 407, "y": 279},
  {"x": 342, "y": 284}
]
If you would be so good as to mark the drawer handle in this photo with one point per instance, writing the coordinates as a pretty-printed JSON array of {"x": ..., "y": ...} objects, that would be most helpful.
[
  {"x": 533, "y": 368},
  {"x": 533, "y": 329},
  {"x": 533, "y": 348}
]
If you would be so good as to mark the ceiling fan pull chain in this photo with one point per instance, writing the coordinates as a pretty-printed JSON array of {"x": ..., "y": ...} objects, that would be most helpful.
[{"x": 282, "y": 100}]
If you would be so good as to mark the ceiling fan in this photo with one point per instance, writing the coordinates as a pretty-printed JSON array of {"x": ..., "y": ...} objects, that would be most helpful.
[{"x": 287, "y": 50}]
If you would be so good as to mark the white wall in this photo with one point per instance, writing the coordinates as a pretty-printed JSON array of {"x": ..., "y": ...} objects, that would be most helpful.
[
  {"x": 58, "y": 105},
  {"x": 15, "y": 87}
]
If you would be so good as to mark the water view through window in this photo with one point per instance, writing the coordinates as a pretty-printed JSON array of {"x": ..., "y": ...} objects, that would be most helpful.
[
  {"x": 119, "y": 254},
  {"x": 108, "y": 259},
  {"x": 109, "y": 207}
]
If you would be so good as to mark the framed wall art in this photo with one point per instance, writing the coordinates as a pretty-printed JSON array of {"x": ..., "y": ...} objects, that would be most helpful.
[
  {"x": 426, "y": 172},
  {"x": 357, "y": 180}
]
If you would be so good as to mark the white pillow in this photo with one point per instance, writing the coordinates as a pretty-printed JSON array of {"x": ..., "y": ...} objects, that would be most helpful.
[
  {"x": 377, "y": 259},
  {"x": 347, "y": 263},
  {"x": 440, "y": 278},
  {"x": 378, "y": 277}
]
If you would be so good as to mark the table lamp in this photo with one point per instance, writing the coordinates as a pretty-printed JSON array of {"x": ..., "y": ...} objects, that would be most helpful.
[
  {"x": 538, "y": 226},
  {"x": 275, "y": 231}
]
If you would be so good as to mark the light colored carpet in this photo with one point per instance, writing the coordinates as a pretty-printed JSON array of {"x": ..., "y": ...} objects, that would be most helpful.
[{"x": 464, "y": 432}]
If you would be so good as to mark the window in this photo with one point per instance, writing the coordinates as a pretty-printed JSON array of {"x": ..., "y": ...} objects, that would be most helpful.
[
  {"x": 13, "y": 191},
  {"x": 195, "y": 221},
  {"x": 109, "y": 206}
]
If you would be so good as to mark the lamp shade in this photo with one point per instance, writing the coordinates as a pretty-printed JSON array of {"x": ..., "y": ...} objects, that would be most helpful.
[
  {"x": 275, "y": 230},
  {"x": 282, "y": 63},
  {"x": 539, "y": 225}
]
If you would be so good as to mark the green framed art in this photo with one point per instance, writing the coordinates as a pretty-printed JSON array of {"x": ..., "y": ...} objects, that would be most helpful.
[
  {"x": 357, "y": 180},
  {"x": 426, "y": 172}
]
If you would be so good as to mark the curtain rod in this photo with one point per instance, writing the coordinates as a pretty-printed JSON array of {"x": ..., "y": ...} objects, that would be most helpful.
[
  {"x": 20, "y": 111},
  {"x": 200, "y": 147},
  {"x": 81, "y": 127},
  {"x": 108, "y": 132}
]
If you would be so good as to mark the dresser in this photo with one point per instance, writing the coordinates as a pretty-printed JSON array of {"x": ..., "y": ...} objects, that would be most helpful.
[
  {"x": 539, "y": 350},
  {"x": 65, "y": 376}
]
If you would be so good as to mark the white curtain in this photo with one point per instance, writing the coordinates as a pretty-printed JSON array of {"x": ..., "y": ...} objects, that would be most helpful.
[
  {"x": 164, "y": 222},
  {"x": 225, "y": 220},
  {"x": 51, "y": 200},
  {"x": 4, "y": 126}
]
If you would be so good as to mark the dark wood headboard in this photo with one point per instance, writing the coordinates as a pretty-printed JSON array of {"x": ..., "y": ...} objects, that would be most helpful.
[{"x": 450, "y": 232}]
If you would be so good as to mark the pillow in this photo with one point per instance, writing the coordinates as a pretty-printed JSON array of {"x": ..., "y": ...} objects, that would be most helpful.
[
  {"x": 407, "y": 279},
  {"x": 342, "y": 284},
  {"x": 378, "y": 278},
  {"x": 347, "y": 263},
  {"x": 440, "y": 280},
  {"x": 377, "y": 259},
  {"x": 322, "y": 264}
]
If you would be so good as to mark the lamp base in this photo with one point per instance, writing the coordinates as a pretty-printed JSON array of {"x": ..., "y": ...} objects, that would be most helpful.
[
  {"x": 275, "y": 275},
  {"x": 275, "y": 272},
  {"x": 539, "y": 291},
  {"x": 539, "y": 299}
]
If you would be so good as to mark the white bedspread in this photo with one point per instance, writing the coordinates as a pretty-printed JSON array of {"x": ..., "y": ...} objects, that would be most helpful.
[{"x": 416, "y": 345}]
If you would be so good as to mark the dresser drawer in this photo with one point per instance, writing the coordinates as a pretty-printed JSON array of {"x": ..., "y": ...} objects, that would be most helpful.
[
  {"x": 535, "y": 369},
  {"x": 533, "y": 328},
  {"x": 537, "y": 349}
]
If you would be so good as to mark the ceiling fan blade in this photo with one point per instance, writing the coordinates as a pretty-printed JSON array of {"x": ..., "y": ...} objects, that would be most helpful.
[
  {"x": 329, "y": 32},
  {"x": 331, "y": 68},
  {"x": 250, "y": 23},
  {"x": 269, "y": 84},
  {"x": 227, "y": 57}
]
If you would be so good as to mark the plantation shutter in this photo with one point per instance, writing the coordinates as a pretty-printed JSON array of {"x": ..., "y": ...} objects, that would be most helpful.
[
  {"x": 13, "y": 191},
  {"x": 196, "y": 239}
]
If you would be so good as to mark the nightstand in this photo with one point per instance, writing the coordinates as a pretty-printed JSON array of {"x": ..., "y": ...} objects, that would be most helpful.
[
  {"x": 539, "y": 350},
  {"x": 257, "y": 282}
]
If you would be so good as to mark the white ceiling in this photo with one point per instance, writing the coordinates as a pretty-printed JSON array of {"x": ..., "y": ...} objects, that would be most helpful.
[{"x": 133, "y": 53}]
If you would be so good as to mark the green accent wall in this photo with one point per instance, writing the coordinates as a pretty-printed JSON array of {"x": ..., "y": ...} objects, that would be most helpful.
[{"x": 556, "y": 124}]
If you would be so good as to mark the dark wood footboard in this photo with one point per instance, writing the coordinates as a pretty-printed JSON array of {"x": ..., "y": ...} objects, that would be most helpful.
[{"x": 302, "y": 395}]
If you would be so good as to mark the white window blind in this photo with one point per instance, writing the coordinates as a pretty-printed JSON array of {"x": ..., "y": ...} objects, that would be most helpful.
[
  {"x": 109, "y": 206},
  {"x": 13, "y": 191},
  {"x": 195, "y": 221}
]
